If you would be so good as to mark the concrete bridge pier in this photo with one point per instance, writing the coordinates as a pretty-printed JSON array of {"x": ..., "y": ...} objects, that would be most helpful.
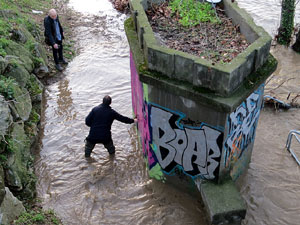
[{"x": 197, "y": 121}]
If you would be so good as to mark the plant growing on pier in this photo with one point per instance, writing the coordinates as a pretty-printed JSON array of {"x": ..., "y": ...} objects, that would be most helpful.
[{"x": 193, "y": 12}]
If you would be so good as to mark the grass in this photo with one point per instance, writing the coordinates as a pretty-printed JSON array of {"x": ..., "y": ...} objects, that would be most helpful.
[{"x": 36, "y": 217}]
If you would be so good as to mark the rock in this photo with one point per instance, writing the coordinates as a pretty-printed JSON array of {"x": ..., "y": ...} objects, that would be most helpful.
[
  {"x": 18, "y": 72},
  {"x": 5, "y": 117},
  {"x": 41, "y": 71},
  {"x": 22, "y": 102},
  {"x": 16, "y": 172},
  {"x": 6, "y": 13},
  {"x": 33, "y": 28},
  {"x": 14, "y": 111},
  {"x": 19, "y": 36},
  {"x": 3, "y": 64},
  {"x": 10, "y": 208},
  {"x": 2, "y": 185},
  {"x": 32, "y": 132},
  {"x": 40, "y": 52},
  {"x": 13, "y": 180},
  {"x": 35, "y": 88},
  {"x": 22, "y": 35},
  {"x": 24, "y": 55}
]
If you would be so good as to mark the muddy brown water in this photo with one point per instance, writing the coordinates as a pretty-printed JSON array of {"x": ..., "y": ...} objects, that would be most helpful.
[{"x": 117, "y": 190}]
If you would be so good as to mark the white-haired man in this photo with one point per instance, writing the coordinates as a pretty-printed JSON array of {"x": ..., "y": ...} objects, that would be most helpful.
[{"x": 54, "y": 36}]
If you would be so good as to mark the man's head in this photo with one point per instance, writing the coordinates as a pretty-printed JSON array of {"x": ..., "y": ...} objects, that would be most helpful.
[
  {"x": 53, "y": 14},
  {"x": 107, "y": 100}
]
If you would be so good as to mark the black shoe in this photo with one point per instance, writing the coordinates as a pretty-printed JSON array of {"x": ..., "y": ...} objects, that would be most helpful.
[
  {"x": 58, "y": 67},
  {"x": 63, "y": 61}
]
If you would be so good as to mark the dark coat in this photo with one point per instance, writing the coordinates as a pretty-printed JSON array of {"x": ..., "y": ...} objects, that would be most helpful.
[
  {"x": 50, "y": 31},
  {"x": 100, "y": 120}
]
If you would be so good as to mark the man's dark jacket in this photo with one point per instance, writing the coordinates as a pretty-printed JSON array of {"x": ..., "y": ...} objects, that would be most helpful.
[
  {"x": 50, "y": 31},
  {"x": 100, "y": 120}
]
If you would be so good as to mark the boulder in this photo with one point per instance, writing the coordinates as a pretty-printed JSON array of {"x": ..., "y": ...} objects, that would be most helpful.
[
  {"x": 13, "y": 180},
  {"x": 24, "y": 55},
  {"x": 41, "y": 71},
  {"x": 17, "y": 71},
  {"x": 10, "y": 209},
  {"x": 40, "y": 52},
  {"x": 3, "y": 64},
  {"x": 5, "y": 117},
  {"x": 21, "y": 35},
  {"x": 22, "y": 102},
  {"x": 35, "y": 88},
  {"x": 16, "y": 173}
]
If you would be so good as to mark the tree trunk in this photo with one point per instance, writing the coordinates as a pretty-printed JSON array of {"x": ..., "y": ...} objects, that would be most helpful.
[
  {"x": 287, "y": 22},
  {"x": 296, "y": 46}
]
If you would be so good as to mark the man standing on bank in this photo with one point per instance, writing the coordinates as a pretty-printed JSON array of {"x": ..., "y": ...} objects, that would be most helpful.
[
  {"x": 53, "y": 36},
  {"x": 100, "y": 120}
]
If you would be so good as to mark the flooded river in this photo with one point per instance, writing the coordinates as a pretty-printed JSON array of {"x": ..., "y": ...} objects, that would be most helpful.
[{"x": 117, "y": 190}]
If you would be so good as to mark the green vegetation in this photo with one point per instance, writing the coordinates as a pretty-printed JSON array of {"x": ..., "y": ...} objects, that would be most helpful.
[
  {"x": 24, "y": 5},
  {"x": 193, "y": 12},
  {"x": 286, "y": 28},
  {"x": 37, "y": 216},
  {"x": 3, "y": 159},
  {"x": 3, "y": 43},
  {"x": 31, "y": 125},
  {"x": 33, "y": 87},
  {"x": 5, "y": 26},
  {"x": 6, "y": 87},
  {"x": 10, "y": 148}
]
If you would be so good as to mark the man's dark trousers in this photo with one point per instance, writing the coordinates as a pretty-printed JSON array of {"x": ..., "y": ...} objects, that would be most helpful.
[
  {"x": 58, "y": 53},
  {"x": 89, "y": 146}
]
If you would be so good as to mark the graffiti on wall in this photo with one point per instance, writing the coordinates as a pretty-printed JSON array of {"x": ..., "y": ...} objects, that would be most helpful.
[
  {"x": 167, "y": 143},
  {"x": 196, "y": 150},
  {"x": 139, "y": 93},
  {"x": 242, "y": 125}
]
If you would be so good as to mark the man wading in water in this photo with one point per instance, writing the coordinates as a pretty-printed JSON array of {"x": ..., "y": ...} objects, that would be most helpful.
[{"x": 100, "y": 120}]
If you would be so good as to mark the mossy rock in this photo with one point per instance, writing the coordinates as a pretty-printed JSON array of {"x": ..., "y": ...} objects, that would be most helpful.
[
  {"x": 11, "y": 208},
  {"x": 3, "y": 64},
  {"x": 17, "y": 70},
  {"x": 8, "y": 14},
  {"x": 40, "y": 52},
  {"x": 13, "y": 48},
  {"x": 2, "y": 185},
  {"x": 21, "y": 35},
  {"x": 22, "y": 102},
  {"x": 5, "y": 117},
  {"x": 17, "y": 172},
  {"x": 35, "y": 88}
]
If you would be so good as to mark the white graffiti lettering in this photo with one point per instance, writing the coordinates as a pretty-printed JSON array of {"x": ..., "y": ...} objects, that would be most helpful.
[
  {"x": 242, "y": 125},
  {"x": 194, "y": 150}
]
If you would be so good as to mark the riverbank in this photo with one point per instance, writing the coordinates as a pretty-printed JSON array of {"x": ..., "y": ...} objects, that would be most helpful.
[{"x": 25, "y": 66}]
